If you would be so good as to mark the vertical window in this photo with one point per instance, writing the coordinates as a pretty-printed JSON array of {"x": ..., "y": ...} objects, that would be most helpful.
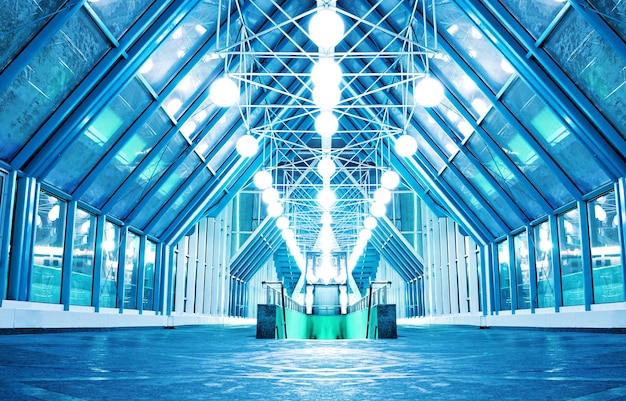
[
  {"x": 505, "y": 279},
  {"x": 543, "y": 265},
  {"x": 83, "y": 258},
  {"x": 45, "y": 285},
  {"x": 131, "y": 271},
  {"x": 522, "y": 270},
  {"x": 110, "y": 265},
  {"x": 606, "y": 253},
  {"x": 571, "y": 259},
  {"x": 148, "y": 284}
]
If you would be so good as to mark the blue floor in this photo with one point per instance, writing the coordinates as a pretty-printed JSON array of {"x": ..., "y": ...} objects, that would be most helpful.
[{"x": 229, "y": 363}]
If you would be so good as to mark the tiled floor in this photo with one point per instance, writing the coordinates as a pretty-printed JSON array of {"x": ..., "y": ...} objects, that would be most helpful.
[{"x": 229, "y": 363}]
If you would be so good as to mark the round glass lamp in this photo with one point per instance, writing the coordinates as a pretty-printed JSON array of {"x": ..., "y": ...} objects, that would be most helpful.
[
  {"x": 370, "y": 223},
  {"x": 390, "y": 179},
  {"x": 382, "y": 196},
  {"x": 326, "y": 198},
  {"x": 274, "y": 209},
  {"x": 270, "y": 195},
  {"x": 406, "y": 145},
  {"x": 428, "y": 92},
  {"x": 262, "y": 179},
  {"x": 247, "y": 145},
  {"x": 282, "y": 223},
  {"x": 326, "y": 97},
  {"x": 326, "y": 28},
  {"x": 224, "y": 92},
  {"x": 326, "y": 218},
  {"x": 378, "y": 209},
  {"x": 326, "y": 72},
  {"x": 326, "y": 167},
  {"x": 326, "y": 124}
]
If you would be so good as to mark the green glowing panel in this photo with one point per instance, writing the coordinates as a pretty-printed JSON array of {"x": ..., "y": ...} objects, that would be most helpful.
[
  {"x": 547, "y": 125},
  {"x": 106, "y": 125}
]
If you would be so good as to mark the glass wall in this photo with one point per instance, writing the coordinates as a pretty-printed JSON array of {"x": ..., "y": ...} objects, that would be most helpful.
[
  {"x": 571, "y": 259},
  {"x": 45, "y": 280},
  {"x": 110, "y": 265},
  {"x": 505, "y": 278},
  {"x": 148, "y": 280},
  {"x": 131, "y": 270},
  {"x": 606, "y": 265},
  {"x": 543, "y": 265},
  {"x": 83, "y": 258},
  {"x": 522, "y": 270}
]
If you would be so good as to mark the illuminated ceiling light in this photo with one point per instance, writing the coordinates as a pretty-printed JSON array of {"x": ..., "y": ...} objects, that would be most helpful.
[
  {"x": 382, "y": 196},
  {"x": 326, "y": 167},
  {"x": 476, "y": 34},
  {"x": 326, "y": 218},
  {"x": 465, "y": 128},
  {"x": 188, "y": 128},
  {"x": 454, "y": 28},
  {"x": 365, "y": 234},
  {"x": 480, "y": 106},
  {"x": 282, "y": 223},
  {"x": 288, "y": 234},
  {"x": 326, "y": 198},
  {"x": 147, "y": 66},
  {"x": 270, "y": 195},
  {"x": 200, "y": 116},
  {"x": 378, "y": 209},
  {"x": 262, "y": 179},
  {"x": 247, "y": 145},
  {"x": 406, "y": 145},
  {"x": 326, "y": 72},
  {"x": 326, "y": 28},
  {"x": 200, "y": 29},
  {"x": 326, "y": 97},
  {"x": 390, "y": 179},
  {"x": 173, "y": 106},
  {"x": 224, "y": 92},
  {"x": 274, "y": 209},
  {"x": 428, "y": 92},
  {"x": 326, "y": 124},
  {"x": 178, "y": 33},
  {"x": 370, "y": 223},
  {"x": 506, "y": 66}
]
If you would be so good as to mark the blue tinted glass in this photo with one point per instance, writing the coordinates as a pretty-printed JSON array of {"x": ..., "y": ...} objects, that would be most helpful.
[
  {"x": 534, "y": 15},
  {"x": 118, "y": 16}
]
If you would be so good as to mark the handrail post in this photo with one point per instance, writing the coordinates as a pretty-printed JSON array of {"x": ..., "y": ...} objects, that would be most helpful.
[
  {"x": 282, "y": 296},
  {"x": 369, "y": 305}
]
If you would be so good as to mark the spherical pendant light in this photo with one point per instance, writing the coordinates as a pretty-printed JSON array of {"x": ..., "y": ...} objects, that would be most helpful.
[
  {"x": 326, "y": 198},
  {"x": 406, "y": 145},
  {"x": 378, "y": 209},
  {"x": 428, "y": 92},
  {"x": 247, "y": 145},
  {"x": 263, "y": 179},
  {"x": 282, "y": 223},
  {"x": 326, "y": 124},
  {"x": 326, "y": 28},
  {"x": 370, "y": 223},
  {"x": 326, "y": 218},
  {"x": 390, "y": 179},
  {"x": 326, "y": 97},
  {"x": 270, "y": 195},
  {"x": 326, "y": 167},
  {"x": 274, "y": 209},
  {"x": 224, "y": 92},
  {"x": 382, "y": 196},
  {"x": 326, "y": 72}
]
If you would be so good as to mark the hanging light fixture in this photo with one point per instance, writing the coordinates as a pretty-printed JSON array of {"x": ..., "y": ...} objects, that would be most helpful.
[
  {"x": 428, "y": 92},
  {"x": 390, "y": 179},
  {"x": 326, "y": 167},
  {"x": 282, "y": 223},
  {"x": 326, "y": 218},
  {"x": 406, "y": 145},
  {"x": 326, "y": 28},
  {"x": 326, "y": 124},
  {"x": 370, "y": 223},
  {"x": 270, "y": 195},
  {"x": 224, "y": 92},
  {"x": 274, "y": 209},
  {"x": 326, "y": 72},
  {"x": 247, "y": 145},
  {"x": 378, "y": 209},
  {"x": 326, "y": 97},
  {"x": 382, "y": 196},
  {"x": 262, "y": 179},
  {"x": 326, "y": 198}
]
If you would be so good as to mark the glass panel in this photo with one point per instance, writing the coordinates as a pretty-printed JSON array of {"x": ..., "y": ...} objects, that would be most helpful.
[
  {"x": 474, "y": 207},
  {"x": 543, "y": 265},
  {"x": 534, "y": 15},
  {"x": 181, "y": 43},
  {"x": 169, "y": 219},
  {"x": 168, "y": 187},
  {"x": 21, "y": 22},
  {"x": 118, "y": 16},
  {"x": 606, "y": 253},
  {"x": 149, "y": 273},
  {"x": 525, "y": 158},
  {"x": 148, "y": 177},
  {"x": 522, "y": 270},
  {"x": 564, "y": 148},
  {"x": 570, "y": 254},
  {"x": 131, "y": 271},
  {"x": 509, "y": 182},
  {"x": 83, "y": 258},
  {"x": 45, "y": 279},
  {"x": 504, "y": 274},
  {"x": 613, "y": 12},
  {"x": 127, "y": 159},
  {"x": 105, "y": 130},
  {"x": 50, "y": 76},
  {"x": 476, "y": 49},
  {"x": 491, "y": 194},
  {"x": 595, "y": 67},
  {"x": 110, "y": 265},
  {"x": 438, "y": 136}
]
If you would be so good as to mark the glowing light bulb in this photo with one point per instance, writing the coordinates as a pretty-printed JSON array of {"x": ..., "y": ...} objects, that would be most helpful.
[
  {"x": 224, "y": 92},
  {"x": 406, "y": 145},
  {"x": 247, "y": 146},
  {"x": 326, "y": 28},
  {"x": 428, "y": 92}
]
